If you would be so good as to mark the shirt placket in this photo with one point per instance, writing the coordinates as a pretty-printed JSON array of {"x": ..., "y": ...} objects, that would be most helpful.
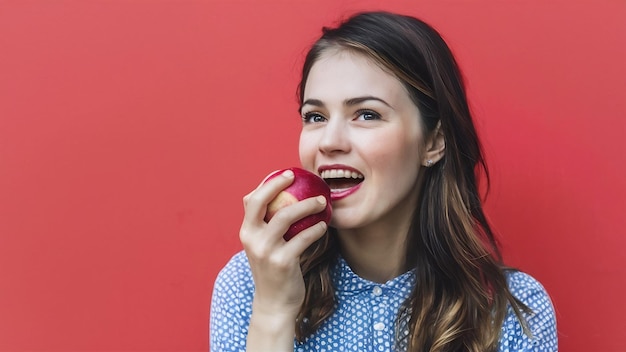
[{"x": 381, "y": 322}]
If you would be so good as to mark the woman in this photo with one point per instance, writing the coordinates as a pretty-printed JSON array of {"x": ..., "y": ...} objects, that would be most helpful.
[{"x": 409, "y": 261}]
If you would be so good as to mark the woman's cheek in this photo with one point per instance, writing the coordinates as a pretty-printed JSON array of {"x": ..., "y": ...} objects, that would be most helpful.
[{"x": 307, "y": 150}]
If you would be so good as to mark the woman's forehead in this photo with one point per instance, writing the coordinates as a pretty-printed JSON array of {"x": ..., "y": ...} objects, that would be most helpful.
[{"x": 347, "y": 73}]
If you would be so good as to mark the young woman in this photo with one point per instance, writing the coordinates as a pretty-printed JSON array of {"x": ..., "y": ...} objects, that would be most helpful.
[{"x": 408, "y": 261}]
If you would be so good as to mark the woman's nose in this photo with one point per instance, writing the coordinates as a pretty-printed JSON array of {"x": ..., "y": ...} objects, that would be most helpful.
[{"x": 335, "y": 138}]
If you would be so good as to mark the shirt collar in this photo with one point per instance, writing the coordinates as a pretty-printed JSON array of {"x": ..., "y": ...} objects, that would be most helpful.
[{"x": 348, "y": 283}]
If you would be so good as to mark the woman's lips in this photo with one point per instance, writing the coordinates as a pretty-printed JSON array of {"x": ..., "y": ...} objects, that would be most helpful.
[
  {"x": 337, "y": 194},
  {"x": 345, "y": 179}
]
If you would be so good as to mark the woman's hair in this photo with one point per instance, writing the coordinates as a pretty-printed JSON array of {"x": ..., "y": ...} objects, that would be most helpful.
[{"x": 461, "y": 294}]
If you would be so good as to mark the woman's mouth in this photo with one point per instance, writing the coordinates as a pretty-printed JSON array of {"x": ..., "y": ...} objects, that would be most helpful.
[{"x": 342, "y": 182}]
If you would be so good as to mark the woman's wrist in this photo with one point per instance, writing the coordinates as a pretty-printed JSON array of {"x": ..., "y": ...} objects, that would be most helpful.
[{"x": 271, "y": 330}]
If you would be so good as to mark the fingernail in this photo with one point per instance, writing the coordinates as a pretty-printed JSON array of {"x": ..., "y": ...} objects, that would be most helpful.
[
  {"x": 324, "y": 225},
  {"x": 287, "y": 173},
  {"x": 321, "y": 199}
]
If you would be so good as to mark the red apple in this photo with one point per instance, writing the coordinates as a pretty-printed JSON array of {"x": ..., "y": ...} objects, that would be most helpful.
[{"x": 305, "y": 185}]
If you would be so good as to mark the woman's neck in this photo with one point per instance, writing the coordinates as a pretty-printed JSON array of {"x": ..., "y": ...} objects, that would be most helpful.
[{"x": 375, "y": 255}]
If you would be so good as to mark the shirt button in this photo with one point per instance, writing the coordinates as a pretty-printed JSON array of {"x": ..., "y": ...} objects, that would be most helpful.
[
  {"x": 377, "y": 291},
  {"x": 379, "y": 326}
]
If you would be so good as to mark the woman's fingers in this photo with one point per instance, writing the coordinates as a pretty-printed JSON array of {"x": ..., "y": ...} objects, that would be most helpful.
[
  {"x": 285, "y": 217},
  {"x": 247, "y": 196},
  {"x": 255, "y": 202},
  {"x": 274, "y": 230},
  {"x": 297, "y": 244}
]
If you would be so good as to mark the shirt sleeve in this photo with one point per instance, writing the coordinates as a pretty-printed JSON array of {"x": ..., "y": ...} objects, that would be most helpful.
[
  {"x": 231, "y": 306},
  {"x": 541, "y": 322}
]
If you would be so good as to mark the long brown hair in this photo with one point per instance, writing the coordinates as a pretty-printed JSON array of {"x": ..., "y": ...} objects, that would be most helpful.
[{"x": 461, "y": 294}]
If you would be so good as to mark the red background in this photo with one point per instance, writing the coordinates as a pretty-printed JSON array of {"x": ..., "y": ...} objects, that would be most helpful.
[{"x": 130, "y": 130}]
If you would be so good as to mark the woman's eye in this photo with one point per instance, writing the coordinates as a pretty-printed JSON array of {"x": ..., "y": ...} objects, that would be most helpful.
[
  {"x": 367, "y": 115},
  {"x": 312, "y": 117}
]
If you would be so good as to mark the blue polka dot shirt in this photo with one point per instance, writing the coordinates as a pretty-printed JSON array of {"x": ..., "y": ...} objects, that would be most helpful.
[{"x": 366, "y": 312}]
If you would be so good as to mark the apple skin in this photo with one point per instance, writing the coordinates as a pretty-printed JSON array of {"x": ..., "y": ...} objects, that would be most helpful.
[{"x": 305, "y": 185}]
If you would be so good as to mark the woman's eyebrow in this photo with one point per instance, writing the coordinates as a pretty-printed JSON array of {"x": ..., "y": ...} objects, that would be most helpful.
[
  {"x": 347, "y": 102},
  {"x": 314, "y": 102},
  {"x": 358, "y": 100}
]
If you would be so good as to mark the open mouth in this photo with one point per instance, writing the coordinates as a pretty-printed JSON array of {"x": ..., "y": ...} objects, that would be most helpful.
[{"x": 340, "y": 180}]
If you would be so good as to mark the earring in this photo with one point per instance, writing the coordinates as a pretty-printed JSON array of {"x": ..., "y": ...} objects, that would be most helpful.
[{"x": 429, "y": 163}]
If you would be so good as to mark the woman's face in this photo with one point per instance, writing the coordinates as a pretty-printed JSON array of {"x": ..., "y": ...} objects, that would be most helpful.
[{"x": 362, "y": 133}]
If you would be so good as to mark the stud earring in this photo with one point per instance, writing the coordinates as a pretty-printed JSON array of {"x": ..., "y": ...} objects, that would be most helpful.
[{"x": 429, "y": 163}]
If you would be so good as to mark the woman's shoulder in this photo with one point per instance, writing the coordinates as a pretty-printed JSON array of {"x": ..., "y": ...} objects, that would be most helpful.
[
  {"x": 527, "y": 289},
  {"x": 519, "y": 280},
  {"x": 231, "y": 305},
  {"x": 540, "y": 320},
  {"x": 236, "y": 270}
]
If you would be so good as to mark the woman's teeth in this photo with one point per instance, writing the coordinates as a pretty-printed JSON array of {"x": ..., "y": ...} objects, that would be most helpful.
[
  {"x": 340, "y": 180},
  {"x": 338, "y": 173}
]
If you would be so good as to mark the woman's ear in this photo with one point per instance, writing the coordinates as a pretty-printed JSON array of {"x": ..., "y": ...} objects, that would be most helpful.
[{"x": 435, "y": 147}]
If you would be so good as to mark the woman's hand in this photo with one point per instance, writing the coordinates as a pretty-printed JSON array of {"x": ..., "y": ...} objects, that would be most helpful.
[{"x": 275, "y": 263}]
